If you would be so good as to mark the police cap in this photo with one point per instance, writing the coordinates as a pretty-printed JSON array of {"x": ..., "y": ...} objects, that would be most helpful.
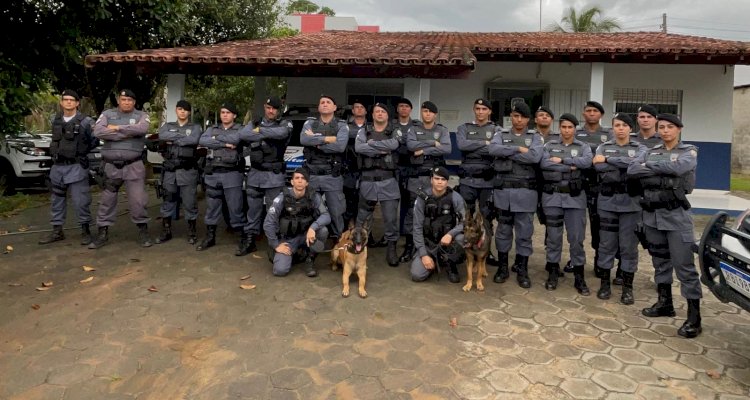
[
  {"x": 648, "y": 109},
  {"x": 595, "y": 104},
  {"x": 404, "y": 100},
  {"x": 231, "y": 107},
  {"x": 522, "y": 108},
  {"x": 483, "y": 102},
  {"x": 546, "y": 110},
  {"x": 624, "y": 118},
  {"x": 569, "y": 117},
  {"x": 185, "y": 105},
  {"x": 441, "y": 172},
  {"x": 302, "y": 171},
  {"x": 127, "y": 93},
  {"x": 430, "y": 106},
  {"x": 71, "y": 93},
  {"x": 383, "y": 106},
  {"x": 670, "y": 118},
  {"x": 274, "y": 102},
  {"x": 325, "y": 96}
]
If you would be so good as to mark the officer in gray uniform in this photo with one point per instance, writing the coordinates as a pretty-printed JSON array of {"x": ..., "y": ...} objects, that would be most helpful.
[
  {"x": 123, "y": 130},
  {"x": 594, "y": 134},
  {"x": 439, "y": 215},
  {"x": 428, "y": 142},
  {"x": 667, "y": 174},
  {"x": 296, "y": 219},
  {"x": 325, "y": 140},
  {"x": 71, "y": 143},
  {"x": 564, "y": 202},
  {"x": 355, "y": 123},
  {"x": 377, "y": 147},
  {"x": 179, "y": 172},
  {"x": 647, "y": 133},
  {"x": 403, "y": 125},
  {"x": 518, "y": 151},
  {"x": 224, "y": 173},
  {"x": 619, "y": 211},
  {"x": 266, "y": 148}
]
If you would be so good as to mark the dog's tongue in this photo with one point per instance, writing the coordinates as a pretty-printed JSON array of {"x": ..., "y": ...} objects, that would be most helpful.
[{"x": 358, "y": 248}]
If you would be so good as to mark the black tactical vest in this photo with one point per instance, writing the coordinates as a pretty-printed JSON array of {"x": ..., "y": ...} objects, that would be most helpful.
[
  {"x": 381, "y": 161},
  {"x": 297, "y": 215},
  {"x": 592, "y": 139},
  {"x": 268, "y": 154},
  {"x": 68, "y": 141},
  {"x": 318, "y": 157},
  {"x": 401, "y": 132},
  {"x": 115, "y": 117},
  {"x": 425, "y": 163},
  {"x": 439, "y": 215},
  {"x": 225, "y": 157},
  {"x": 351, "y": 159},
  {"x": 180, "y": 157},
  {"x": 650, "y": 142},
  {"x": 667, "y": 191},
  {"x": 556, "y": 148},
  {"x": 512, "y": 169},
  {"x": 482, "y": 133},
  {"x": 613, "y": 180}
]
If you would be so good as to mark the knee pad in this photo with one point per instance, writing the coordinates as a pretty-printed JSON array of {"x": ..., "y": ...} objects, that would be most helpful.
[
  {"x": 171, "y": 196},
  {"x": 555, "y": 221},
  {"x": 659, "y": 250},
  {"x": 59, "y": 190},
  {"x": 214, "y": 192},
  {"x": 256, "y": 194},
  {"x": 609, "y": 225},
  {"x": 505, "y": 217},
  {"x": 113, "y": 185},
  {"x": 370, "y": 205}
]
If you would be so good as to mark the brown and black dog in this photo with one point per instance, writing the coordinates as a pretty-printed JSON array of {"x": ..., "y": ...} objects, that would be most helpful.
[
  {"x": 351, "y": 253},
  {"x": 477, "y": 241}
]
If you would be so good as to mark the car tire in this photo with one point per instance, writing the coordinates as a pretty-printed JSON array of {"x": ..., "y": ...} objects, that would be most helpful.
[{"x": 7, "y": 180}]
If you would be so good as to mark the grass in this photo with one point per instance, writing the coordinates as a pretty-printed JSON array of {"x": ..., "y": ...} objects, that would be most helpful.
[
  {"x": 740, "y": 182},
  {"x": 11, "y": 205}
]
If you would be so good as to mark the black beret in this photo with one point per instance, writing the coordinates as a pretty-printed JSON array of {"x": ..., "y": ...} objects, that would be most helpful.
[
  {"x": 595, "y": 104},
  {"x": 430, "y": 106},
  {"x": 303, "y": 171},
  {"x": 274, "y": 102},
  {"x": 325, "y": 96},
  {"x": 71, "y": 93},
  {"x": 358, "y": 101},
  {"x": 404, "y": 100},
  {"x": 648, "y": 109},
  {"x": 483, "y": 102},
  {"x": 231, "y": 107},
  {"x": 569, "y": 117},
  {"x": 383, "y": 106},
  {"x": 522, "y": 108},
  {"x": 185, "y": 105},
  {"x": 441, "y": 172},
  {"x": 547, "y": 110},
  {"x": 127, "y": 93},
  {"x": 624, "y": 118},
  {"x": 670, "y": 118}
]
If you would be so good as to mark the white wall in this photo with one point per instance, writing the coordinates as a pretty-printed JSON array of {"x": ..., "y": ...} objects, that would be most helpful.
[{"x": 741, "y": 137}]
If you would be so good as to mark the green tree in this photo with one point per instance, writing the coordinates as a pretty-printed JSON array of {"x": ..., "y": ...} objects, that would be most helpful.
[
  {"x": 302, "y": 7},
  {"x": 587, "y": 20},
  {"x": 327, "y": 11}
]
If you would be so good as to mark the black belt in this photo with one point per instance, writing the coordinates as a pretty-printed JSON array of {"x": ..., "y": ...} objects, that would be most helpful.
[
  {"x": 377, "y": 178},
  {"x": 65, "y": 161},
  {"x": 120, "y": 164}
]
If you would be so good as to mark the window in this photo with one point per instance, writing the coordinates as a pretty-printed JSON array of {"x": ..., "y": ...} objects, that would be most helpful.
[
  {"x": 502, "y": 96},
  {"x": 665, "y": 100}
]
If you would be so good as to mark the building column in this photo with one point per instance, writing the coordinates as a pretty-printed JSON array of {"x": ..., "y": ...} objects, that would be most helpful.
[
  {"x": 175, "y": 91},
  {"x": 417, "y": 91},
  {"x": 596, "y": 87},
  {"x": 261, "y": 92}
]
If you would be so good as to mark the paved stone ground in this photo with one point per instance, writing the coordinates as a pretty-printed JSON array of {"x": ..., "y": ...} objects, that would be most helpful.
[{"x": 199, "y": 336}]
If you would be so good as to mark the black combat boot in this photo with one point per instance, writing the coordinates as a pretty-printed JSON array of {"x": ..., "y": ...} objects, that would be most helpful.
[
  {"x": 580, "y": 282},
  {"x": 522, "y": 270},
  {"x": 247, "y": 245},
  {"x": 310, "y": 270},
  {"x": 101, "y": 238},
  {"x": 209, "y": 240},
  {"x": 502, "y": 268},
  {"x": 516, "y": 261},
  {"x": 663, "y": 306},
  {"x": 618, "y": 275},
  {"x": 54, "y": 236},
  {"x": 569, "y": 267},
  {"x": 554, "y": 273},
  {"x": 627, "y": 288},
  {"x": 408, "y": 253},
  {"x": 192, "y": 237},
  {"x": 390, "y": 254},
  {"x": 453, "y": 276},
  {"x": 166, "y": 230},
  {"x": 692, "y": 326},
  {"x": 372, "y": 243},
  {"x": 143, "y": 238},
  {"x": 491, "y": 260},
  {"x": 85, "y": 235},
  {"x": 605, "y": 290}
]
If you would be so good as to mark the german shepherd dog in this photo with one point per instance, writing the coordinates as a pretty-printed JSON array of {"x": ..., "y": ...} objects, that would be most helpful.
[
  {"x": 351, "y": 253},
  {"x": 477, "y": 241}
]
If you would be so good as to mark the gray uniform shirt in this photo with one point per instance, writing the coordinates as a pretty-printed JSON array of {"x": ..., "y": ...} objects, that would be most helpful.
[
  {"x": 276, "y": 129},
  {"x": 135, "y": 127},
  {"x": 271, "y": 223},
  {"x": 438, "y": 133},
  {"x": 619, "y": 202},
  {"x": 459, "y": 207},
  {"x": 189, "y": 134},
  {"x": 650, "y": 142},
  {"x": 377, "y": 190},
  {"x": 516, "y": 199},
  {"x": 217, "y": 137},
  {"x": 580, "y": 161},
  {"x": 478, "y": 147},
  {"x": 326, "y": 183}
]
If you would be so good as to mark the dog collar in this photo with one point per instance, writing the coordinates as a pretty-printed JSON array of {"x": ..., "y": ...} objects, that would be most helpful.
[{"x": 480, "y": 242}]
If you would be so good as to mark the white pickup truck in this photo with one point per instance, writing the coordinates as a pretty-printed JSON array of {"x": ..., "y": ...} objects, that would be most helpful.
[{"x": 24, "y": 159}]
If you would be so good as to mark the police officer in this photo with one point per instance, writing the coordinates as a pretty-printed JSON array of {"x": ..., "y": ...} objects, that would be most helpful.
[
  {"x": 647, "y": 133},
  {"x": 377, "y": 147},
  {"x": 403, "y": 125},
  {"x": 325, "y": 140},
  {"x": 439, "y": 214},
  {"x": 179, "y": 174},
  {"x": 543, "y": 118},
  {"x": 296, "y": 220},
  {"x": 71, "y": 143},
  {"x": 357, "y": 121},
  {"x": 428, "y": 142},
  {"x": 564, "y": 201},
  {"x": 594, "y": 134},
  {"x": 224, "y": 173},
  {"x": 267, "y": 144},
  {"x": 476, "y": 171},
  {"x": 517, "y": 152},
  {"x": 618, "y": 208},
  {"x": 123, "y": 130},
  {"x": 667, "y": 174}
]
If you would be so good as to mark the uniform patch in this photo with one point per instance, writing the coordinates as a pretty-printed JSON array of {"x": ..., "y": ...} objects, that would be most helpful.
[
  {"x": 132, "y": 121},
  {"x": 673, "y": 157},
  {"x": 488, "y": 135},
  {"x": 574, "y": 152},
  {"x": 436, "y": 135},
  {"x": 399, "y": 133},
  {"x": 604, "y": 138},
  {"x": 631, "y": 153},
  {"x": 693, "y": 153},
  {"x": 527, "y": 142},
  {"x": 188, "y": 131}
]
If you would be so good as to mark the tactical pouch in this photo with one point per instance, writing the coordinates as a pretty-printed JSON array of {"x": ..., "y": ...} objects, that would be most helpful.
[
  {"x": 640, "y": 233},
  {"x": 503, "y": 165},
  {"x": 552, "y": 176},
  {"x": 417, "y": 160}
]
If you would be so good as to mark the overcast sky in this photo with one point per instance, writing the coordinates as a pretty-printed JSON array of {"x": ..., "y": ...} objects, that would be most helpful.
[{"x": 724, "y": 19}]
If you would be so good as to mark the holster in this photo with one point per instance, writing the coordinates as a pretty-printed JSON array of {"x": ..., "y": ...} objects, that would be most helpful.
[{"x": 640, "y": 233}]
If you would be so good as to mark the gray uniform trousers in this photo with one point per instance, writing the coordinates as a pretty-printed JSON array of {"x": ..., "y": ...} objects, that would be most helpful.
[
  {"x": 331, "y": 188},
  {"x": 261, "y": 187},
  {"x": 617, "y": 233},
  {"x": 387, "y": 193},
  {"x": 282, "y": 263},
  {"x": 420, "y": 273},
  {"x": 134, "y": 177},
  {"x": 229, "y": 186},
  {"x": 574, "y": 222},
  {"x": 672, "y": 250},
  {"x": 184, "y": 182},
  {"x": 75, "y": 180},
  {"x": 414, "y": 185},
  {"x": 515, "y": 209},
  {"x": 472, "y": 193}
]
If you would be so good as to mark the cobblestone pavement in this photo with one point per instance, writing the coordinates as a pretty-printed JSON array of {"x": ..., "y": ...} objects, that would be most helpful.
[{"x": 197, "y": 335}]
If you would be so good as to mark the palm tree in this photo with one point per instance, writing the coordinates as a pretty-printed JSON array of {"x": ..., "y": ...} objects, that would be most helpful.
[{"x": 587, "y": 20}]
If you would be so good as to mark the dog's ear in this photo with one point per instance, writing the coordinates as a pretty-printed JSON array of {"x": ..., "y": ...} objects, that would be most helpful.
[
  {"x": 352, "y": 223},
  {"x": 368, "y": 223},
  {"x": 468, "y": 215},
  {"x": 478, "y": 218}
]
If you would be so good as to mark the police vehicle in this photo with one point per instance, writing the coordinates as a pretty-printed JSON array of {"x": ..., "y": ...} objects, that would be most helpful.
[
  {"x": 724, "y": 257},
  {"x": 24, "y": 159}
]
